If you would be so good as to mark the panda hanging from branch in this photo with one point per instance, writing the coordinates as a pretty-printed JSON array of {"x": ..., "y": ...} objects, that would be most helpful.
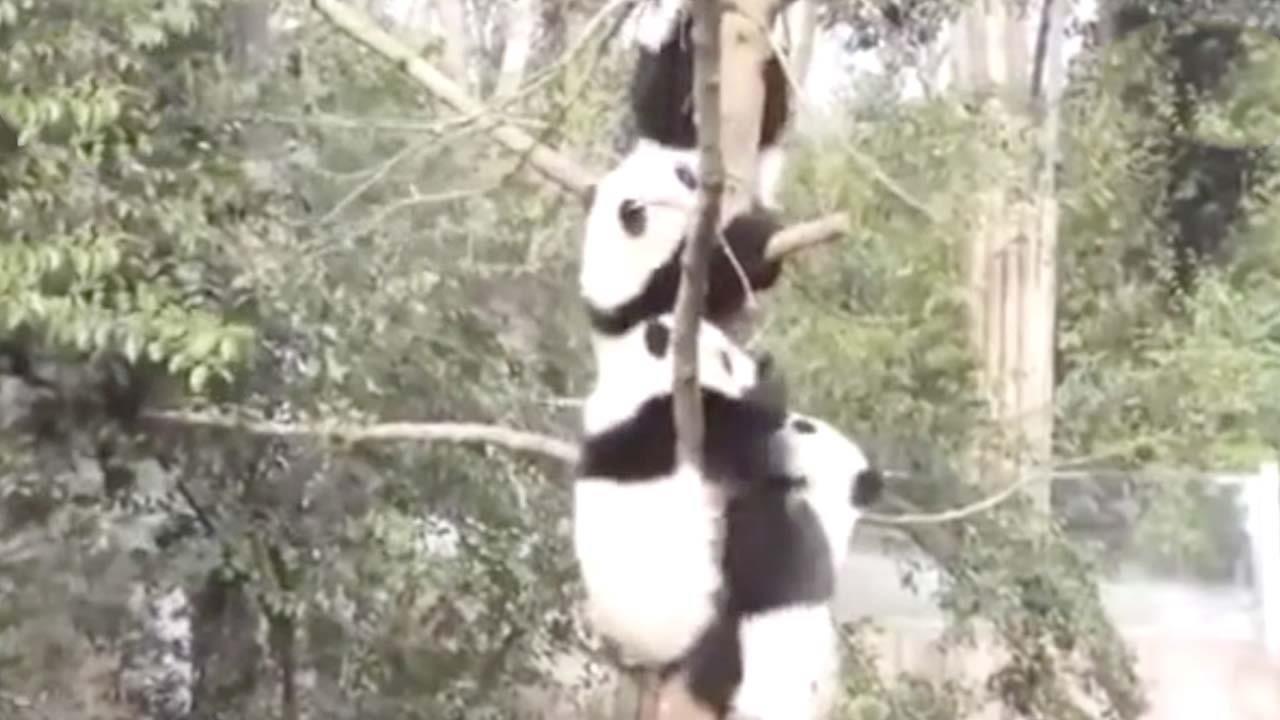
[{"x": 720, "y": 575}]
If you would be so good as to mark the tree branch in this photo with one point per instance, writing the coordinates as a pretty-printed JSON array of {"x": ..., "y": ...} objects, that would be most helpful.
[
  {"x": 803, "y": 235},
  {"x": 552, "y": 164},
  {"x": 457, "y": 432},
  {"x": 690, "y": 297}
]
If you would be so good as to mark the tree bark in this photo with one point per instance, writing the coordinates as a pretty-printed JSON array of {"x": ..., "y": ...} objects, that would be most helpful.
[{"x": 1012, "y": 251}]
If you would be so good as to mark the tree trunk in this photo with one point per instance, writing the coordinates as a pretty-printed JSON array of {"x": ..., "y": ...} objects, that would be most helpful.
[
  {"x": 1012, "y": 251},
  {"x": 521, "y": 25},
  {"x": 452, "y": 16}
]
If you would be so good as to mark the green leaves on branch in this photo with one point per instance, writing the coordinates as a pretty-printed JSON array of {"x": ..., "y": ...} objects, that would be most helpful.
[{"x": 115, "y": 234}]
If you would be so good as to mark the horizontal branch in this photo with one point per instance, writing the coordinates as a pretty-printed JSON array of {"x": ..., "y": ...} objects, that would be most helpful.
[
  {"x": 553, "y": 165},
  {"x": 806, "y": 234},
  {"x": 457, "y": 432}
]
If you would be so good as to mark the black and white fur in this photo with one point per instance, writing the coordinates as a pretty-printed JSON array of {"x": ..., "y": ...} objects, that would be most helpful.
[
  {"x": 645, "y": 526},
  {"x": 635, "y": 233},
  {"x": 662, "y": 93},
  {"x": 771, "y": 653}
]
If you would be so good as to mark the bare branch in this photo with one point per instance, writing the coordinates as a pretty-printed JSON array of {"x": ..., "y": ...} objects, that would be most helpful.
[
  {"x": 456, "y": 432},
  {"x": 801, "y": 236},
  {"x": 552, "y": 164}
]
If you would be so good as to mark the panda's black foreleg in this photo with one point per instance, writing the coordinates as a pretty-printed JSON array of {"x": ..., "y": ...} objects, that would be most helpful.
[
  {"x": 742, "y": 263},
  {"x": 736, "y": 438}
]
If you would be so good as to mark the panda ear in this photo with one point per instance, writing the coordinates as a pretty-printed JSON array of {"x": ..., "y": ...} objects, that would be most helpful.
[
  {"x": 868, "y": 486},
  {"x": 657, "y": 338}
]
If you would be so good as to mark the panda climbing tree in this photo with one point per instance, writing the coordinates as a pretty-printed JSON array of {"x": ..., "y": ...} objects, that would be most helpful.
[
  {"x": 708, "y": 552},
  {"x": 721, "y": 174}
]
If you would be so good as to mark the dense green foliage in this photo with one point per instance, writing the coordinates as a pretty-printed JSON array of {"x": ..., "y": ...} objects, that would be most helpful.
[{"x": 294, "y": 230}]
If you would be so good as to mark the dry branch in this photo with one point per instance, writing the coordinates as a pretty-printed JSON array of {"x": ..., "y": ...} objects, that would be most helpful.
[
  {"x": 553, "y": 165},
  {"x": 456, "y": 432},
  {"x": 803, "y": 235}
]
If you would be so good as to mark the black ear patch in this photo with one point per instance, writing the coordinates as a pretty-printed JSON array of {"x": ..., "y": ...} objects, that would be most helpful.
[
  {"x": 867, "y": 487},
  {"x": 633, "y": 217},
  {"x": 657, "y": 338},
  {"x": 686, "y": 176},
  {"x": 804, "y": 427}
]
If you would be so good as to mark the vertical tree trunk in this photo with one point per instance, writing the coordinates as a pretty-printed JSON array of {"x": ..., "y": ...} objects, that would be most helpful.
[
  {"x": 521, "y": 24},
  {"x": 452, "y": 16},
  {"x": 1012, "y": 270}
]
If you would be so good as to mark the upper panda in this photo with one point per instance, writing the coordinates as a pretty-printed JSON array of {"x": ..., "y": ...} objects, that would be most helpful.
[
  {"x": 772, "y": 654},
  {"x": 662, "y": 93},
  {"x": 635, "y": 232},
  {"x": 644, "y": 525}
]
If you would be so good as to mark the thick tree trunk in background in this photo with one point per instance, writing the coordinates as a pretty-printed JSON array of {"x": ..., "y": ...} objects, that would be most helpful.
[
  {"x": 452, "y": 16},
  {"x": 225, "y": 651},
  {"x": 1013, "y": 246},
  {"x": 521, "y": 26}
]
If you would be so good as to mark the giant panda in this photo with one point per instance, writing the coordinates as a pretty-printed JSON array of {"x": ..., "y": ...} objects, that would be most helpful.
[
  {"x": 771, "y": 653},
  {"x": 662, "y": 93},
  {"x": 636, "y": 230},
  {"x": 645, "y": 527}
]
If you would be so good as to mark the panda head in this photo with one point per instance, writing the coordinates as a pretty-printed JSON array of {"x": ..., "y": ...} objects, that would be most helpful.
[
  {"x": 639, "y": 366},
  {"x": 635, "y": 227},
  {"x": 830, "y": 471}
]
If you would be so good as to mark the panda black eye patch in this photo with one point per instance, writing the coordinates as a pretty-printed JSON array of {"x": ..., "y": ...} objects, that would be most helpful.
[
  {"x": 657, "y": 338},
  {"x": 632, "y": 216},
  {"x": 686, "y": 177},
  {"x": 804, "y": 427}
]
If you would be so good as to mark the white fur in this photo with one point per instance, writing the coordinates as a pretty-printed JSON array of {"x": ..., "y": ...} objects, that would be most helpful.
[
  {"x": 657, "y": 22},
  {"x": 789, "y": 665},
  {"x": 648, "y": 551},
  {"x": 615, "y": 265},
  {"x": 769, "y": 175}
]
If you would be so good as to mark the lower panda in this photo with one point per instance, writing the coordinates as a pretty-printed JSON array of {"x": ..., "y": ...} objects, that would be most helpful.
[
  {"x": 771, "y": 652},
  {"x": 645, "y": 526}
]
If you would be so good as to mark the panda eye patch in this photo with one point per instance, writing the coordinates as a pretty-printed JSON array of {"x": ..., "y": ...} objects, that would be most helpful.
[
  {"x": 686, "y": 177},
  {"x": 632, "y": 216}
]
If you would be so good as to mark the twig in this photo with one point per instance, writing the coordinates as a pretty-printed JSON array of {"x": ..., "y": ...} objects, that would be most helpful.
[
  {"x": 553, "y": 165},
  {"x": 800, "y": 236},
  {"x": 376, "y": 174},
  {"x": 457, "y": 432}
]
